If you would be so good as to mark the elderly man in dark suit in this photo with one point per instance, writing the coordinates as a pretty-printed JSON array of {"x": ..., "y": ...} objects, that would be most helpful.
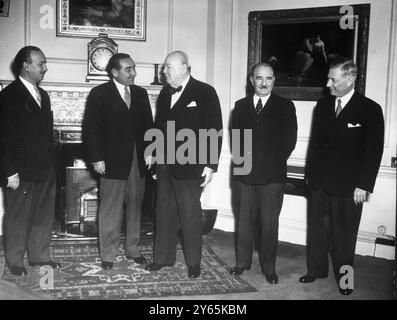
[
  {"x": 194, "y": 105},
  {"x": 117, "y": 115},
  {"x": 343, "y": 161},
  {"x": 258, "y": 195},
  {"x": 27, "y": 161}
]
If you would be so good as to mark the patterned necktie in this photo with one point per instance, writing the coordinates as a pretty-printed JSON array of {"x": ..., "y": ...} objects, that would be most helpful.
[
  {"x": 259, "y": 106},
  {"x": 127, "y": 97},
  {"x": 338, "y": 108},
  {"x": 38, "y": 95}
]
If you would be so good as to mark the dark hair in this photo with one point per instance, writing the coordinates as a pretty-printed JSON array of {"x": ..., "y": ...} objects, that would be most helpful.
[
  {"x": 347, "y": 66},
  {"x": 22, "y": 56},
  {"x": 114, "y": 62}
]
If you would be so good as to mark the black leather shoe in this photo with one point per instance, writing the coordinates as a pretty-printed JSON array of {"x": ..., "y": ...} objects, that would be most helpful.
[
  {"x": 236, "y": 271},
  {"x": 309, "y": 279},
  {"x": 194, "y": 271},
  {"x": 18, "y": 271},
  {"x": 52, "y": 264},
  {"x": 345, "y": 292},
  {"x": 139, "y": 260},
  {"x": 272, "y": 278},
  {"x": 107, "y": 265},
  {"x": 156, "y": 266}
]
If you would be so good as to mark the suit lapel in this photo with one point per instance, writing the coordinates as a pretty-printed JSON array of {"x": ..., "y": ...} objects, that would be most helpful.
[
  {"x": 115, "y": 94},
  {"x": 30, "y": 102},
  {"x": 186, "y": 96}
]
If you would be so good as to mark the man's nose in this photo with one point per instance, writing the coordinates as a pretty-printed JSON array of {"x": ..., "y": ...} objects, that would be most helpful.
[{"x": 329, "y": 83}]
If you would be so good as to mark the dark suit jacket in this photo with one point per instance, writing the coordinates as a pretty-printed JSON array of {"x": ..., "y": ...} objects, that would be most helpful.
[
  {"x": 111, "y": 130},
  {"x": 26, "y": 134},
  {"x": 205, "y": 115},
  {"x": 274, "y": 133},
  {"x": 345, "y": 152}
]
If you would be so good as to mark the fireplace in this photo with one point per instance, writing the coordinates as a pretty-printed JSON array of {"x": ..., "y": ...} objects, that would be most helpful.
[{"x": 78, "y": 187}]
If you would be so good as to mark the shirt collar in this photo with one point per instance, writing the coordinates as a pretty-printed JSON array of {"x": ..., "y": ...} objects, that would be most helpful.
[
  {"x": 345, "y": 99},
  {"x": 264, "y": 99},
  {"x": 27, "y": 84},
  {"x": 120, "y": 87},
  {"x": 31, "y": 88},
  {"x": 184, "y": 83}
]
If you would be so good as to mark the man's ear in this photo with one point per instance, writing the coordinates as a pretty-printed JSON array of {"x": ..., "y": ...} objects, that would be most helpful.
[
  {"x": 25, "y": 65},
  {"x": 252, "y": 80},
  {"x": 114, "y": 72}
]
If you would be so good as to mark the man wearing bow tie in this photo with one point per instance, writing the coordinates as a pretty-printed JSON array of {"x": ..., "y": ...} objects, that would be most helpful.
[
  {"x": 27, "y": 160},
  {"x": 117, "y": 115},
  {"x": 189, "y": 104},
  {"x": 258, "y": 196},
  {"x": 343, "y": 160}
]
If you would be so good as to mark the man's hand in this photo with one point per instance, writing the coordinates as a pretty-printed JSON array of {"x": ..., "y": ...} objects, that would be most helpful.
[
  {"x": 13, "y": 181},
  {"x": 207, "y": 173},
  {"x": 360, "y": 196},
  {"x": 99, "y": 167}
]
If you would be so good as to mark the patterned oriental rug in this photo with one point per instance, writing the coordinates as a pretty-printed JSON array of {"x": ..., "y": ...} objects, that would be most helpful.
[{"x": 81, "y": 275}]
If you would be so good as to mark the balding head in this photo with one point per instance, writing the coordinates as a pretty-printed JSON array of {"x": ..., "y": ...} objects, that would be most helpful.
[{"x": 176, "y": 68}]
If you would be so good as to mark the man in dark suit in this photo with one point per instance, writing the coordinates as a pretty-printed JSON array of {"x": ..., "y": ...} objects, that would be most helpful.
[
  {"x": 343, "y": 161},
  {"x": 258, "y": 195},
  {"x": 194, "y": 105},
  {"x": 117, "y": 115},
  {"x": 27, "y": 162}
]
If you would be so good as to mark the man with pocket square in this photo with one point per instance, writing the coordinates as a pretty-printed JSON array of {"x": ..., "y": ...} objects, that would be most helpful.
[
  {"x": 343, "y": 160},
  {"x": 27, "y": 160},
  {"x": 188, "y": 104}
]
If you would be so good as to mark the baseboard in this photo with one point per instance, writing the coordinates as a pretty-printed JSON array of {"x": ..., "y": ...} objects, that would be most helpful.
[{"x": 294, "y": 231}]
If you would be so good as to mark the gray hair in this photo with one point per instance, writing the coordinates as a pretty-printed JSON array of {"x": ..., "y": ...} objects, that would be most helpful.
[
  {"x": 183, "y": 57},
  {"x": 347, "y": 66},
  {"x": 261, "y": 64}
]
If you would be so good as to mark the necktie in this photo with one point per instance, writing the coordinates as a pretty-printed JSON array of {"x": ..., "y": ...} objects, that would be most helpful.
[
  {"x": 175, "y": 90},
  {"x": 127, "y": 97},
  {"x": 338, "y": 108},
  {"x": 38, "y": 95},
  {"x": 259, "y": 106}
]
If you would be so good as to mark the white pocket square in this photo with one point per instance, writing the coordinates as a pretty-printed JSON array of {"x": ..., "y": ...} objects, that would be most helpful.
[
  {"x": 350, "y": 125},
  {"x": 192, "y": 104}
]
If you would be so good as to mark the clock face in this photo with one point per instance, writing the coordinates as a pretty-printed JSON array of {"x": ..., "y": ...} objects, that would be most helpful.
[{"x": 100, "y": 58}]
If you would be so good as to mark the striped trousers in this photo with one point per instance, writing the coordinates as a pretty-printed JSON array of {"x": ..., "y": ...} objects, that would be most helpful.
[{"x": 333, "y": 223}]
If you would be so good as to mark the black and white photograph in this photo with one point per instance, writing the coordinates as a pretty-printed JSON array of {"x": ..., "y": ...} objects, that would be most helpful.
[
  {"x": 123, "y": 19},
  {"x": 205, "y": 157}
]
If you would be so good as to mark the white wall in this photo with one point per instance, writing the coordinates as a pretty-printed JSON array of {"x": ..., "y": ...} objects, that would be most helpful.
[{"x": 381, "y": 72}]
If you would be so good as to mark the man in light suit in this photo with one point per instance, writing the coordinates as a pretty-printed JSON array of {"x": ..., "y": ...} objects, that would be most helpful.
[
  {"x": 189, "y": 104},
  {"x": 344, "y": 156},
  {"x": 258, "y": 195},
  {"x": 27, "y": 160},
  {"x": 117, "y": 115}
]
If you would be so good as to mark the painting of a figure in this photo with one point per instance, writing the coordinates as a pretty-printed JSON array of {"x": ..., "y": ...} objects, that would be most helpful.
[
  {"x": 119, "y": 19},
  {"x": 103, "y": 13},
  {"x": 301, "y": 52},
  {"x": 301, "y": 43}
]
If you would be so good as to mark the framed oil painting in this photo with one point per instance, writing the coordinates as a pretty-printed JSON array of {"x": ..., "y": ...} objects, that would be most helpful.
[
  {"x": 119, "y": 19},
  {"x": 300, "y": 43}
]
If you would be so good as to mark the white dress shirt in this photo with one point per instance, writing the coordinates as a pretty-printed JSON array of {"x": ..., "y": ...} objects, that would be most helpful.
[
  {"x": 121, "y": 88},
  {"x": 31, "y": 89},
  {"x": 175, "y": 97},
  {"x": 264, "y": 100},
  {"x": 344, "y": 100}
]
